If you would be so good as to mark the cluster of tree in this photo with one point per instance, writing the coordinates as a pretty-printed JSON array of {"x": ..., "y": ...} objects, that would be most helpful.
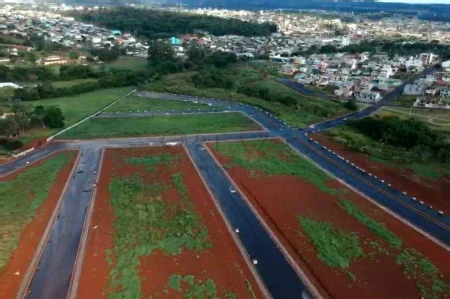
[
  {"x": 161, "y": 24},
  {"x": 413, "y": 49},
  {"x": 409, "y": 134},
  {"x": 110, "y": 79},
  {"x": 391, "y": 48},
  {"x": 26, "y": 117},
  {"x": 365, "y": 46},
  {"x": 198, "y": 57},
  {"x": 162, "y": 59},
  {"x": 107, "y": 54},
  {"x": 212, "y": 77},
  {"x": 266, "y": 94}
]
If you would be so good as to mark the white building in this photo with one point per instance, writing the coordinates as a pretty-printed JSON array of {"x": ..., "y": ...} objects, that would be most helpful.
[
  {"x": 414, "y": 89},
  {"x": 386, "y": 71},
  {"x": 367, "y": 96}
]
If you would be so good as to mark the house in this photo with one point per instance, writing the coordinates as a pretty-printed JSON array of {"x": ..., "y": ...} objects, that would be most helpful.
[
  {"x": 431, "y": 91},
  {"x": 386, "y": 71},
  {"x": 367, "y": 96},
  {"x": 446, "y": 64},
  {"x": 343, "y": 92},
  {"x": 445, "y": 92},
  {"x": 414, "y": 89},
  {"x": 9, "y": 84}
]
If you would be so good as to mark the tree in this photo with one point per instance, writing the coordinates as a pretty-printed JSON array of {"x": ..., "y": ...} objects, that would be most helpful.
[
  {"x": 73, "y": 55},
  {"x": 38, "y": 114},
  {"x": 53, "y": 117},
  {"x": 159, "y": 51},
  {"x": 9, "y": 127},
  {"x": 350, "y": 105},
  {"x": 26, "y": 94},
  {"x": 45, "y": 90},
  {"x": 30, "y": 57},
  {"x": 196, "y": 56},
  {"x": 6, "y": 94}
]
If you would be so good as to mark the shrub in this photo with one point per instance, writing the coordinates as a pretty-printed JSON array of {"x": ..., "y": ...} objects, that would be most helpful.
[{"x": 12, "y": 144}]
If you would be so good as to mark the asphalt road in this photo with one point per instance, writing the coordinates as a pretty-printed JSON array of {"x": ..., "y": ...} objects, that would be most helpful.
[
  {"x": 279, "y": 277},
  {"x": 305, "y": 90},
  {"x": 52, "y": 280},
  {"x": 146, "y": 113}
]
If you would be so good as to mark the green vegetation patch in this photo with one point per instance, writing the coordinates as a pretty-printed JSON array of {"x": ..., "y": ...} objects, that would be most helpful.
[
  {"x": 75, "y": 108},
  {"x": 152, "y": 161},
  {"x": 193, "y": 288},
  {"x": 272, "y": 158},
  {"x": 133, "y": 103},
  {"x": 250, "y": 87},
  {"x": 419, "y": 148},
  {"x": 429, "y": 279},
  {"x": 161, "y": 125},
  {"x": 20, "y": 199},
  {"x": 336, "y": 247},
  {"x": 377, "y": 227},
  {"x": 146, "y": 222},
  {"x": 61, "y": 84},
  {"x": 405, "y": 100}
]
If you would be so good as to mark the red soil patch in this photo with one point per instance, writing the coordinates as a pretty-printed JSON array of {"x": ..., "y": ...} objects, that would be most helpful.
[
  {"x": 433, "y": 192},
  {"x": 37, "y": 142},
  {"x": 223, "y": 263},
  {"x": 31, "y": 236},
  {"x": 280, "y": 200}
]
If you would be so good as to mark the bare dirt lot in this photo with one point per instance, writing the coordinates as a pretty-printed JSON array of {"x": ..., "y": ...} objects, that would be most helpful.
[
  {"x": 348, "y": 247},
  {"x": 156, "y": 233}
]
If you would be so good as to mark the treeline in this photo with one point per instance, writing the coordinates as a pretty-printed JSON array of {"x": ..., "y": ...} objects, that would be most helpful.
[
  {"x": 162, "y": 24},
  {"x": 391, "y": 48},
  {"x": 110, "y": 79},
  {"x": 42, "y": 73},
  {"x": 410, "y": 134},
  {"x": 26, "y": 117}
]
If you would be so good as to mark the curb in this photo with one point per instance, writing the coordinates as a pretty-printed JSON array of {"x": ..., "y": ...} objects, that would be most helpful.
[{"x": 21, "y": 293}]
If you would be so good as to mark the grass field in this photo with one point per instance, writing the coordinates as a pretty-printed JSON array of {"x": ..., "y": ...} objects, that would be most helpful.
[
  {"x": 60, "y": 84},
  {"x": 128, "y": 62},
  {"x": 133, "y": 103},
  {"x": 77, "y": 107},
  {"x": 21, "y": 197},
  {"x": 405, "y": 100},
  {"x": 308, "y": 110},
  {"x": 382, "y": 153},
  {"x": 435, "y": 119},
  {"x": 161, "y": 125}
]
